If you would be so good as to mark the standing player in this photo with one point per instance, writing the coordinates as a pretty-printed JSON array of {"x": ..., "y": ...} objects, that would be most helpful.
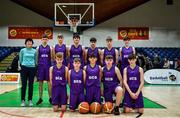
[
  {"x": 93, "y": 79},
  {"x": 61, "y": 47},
  {"x": 93, "y": 49},
  {"x": 109, "y": 50},
  {"x": 133, "y": 82},
  {"x": 44, "y": 54},
  {"x": 125, "y": 51},
  {"x": 76, "y": 81},
  {"x": 58, "y": 78},
  {"x": 76, "y": 51},
  {"x": 111, "y": 79}
]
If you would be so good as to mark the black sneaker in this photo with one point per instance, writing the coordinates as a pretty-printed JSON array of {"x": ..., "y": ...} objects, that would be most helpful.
[
  {"x": 39, "y": 101},
  {"x": 121, "y": 105},
  {"x": 116, "y": 110},
  {"x": 139, "y": 115},
  {"x": 50, "y": 100}
]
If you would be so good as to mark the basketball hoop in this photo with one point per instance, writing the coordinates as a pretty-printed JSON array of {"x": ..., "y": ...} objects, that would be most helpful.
[{"x": 65, "y": 12}]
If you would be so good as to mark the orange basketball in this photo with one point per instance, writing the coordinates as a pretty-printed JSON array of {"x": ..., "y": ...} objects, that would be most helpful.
[
  {"x": 95, "y": 107},
  {"x": 83, "y": 107},
  {"x": 108, "y": 107}
]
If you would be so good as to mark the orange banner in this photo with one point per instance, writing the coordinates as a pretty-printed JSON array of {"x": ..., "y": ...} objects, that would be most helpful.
[
  {"x": 9, "y": 77},
  {"x": 134, "y": 33},
  {"x": 29, "y": 32}
]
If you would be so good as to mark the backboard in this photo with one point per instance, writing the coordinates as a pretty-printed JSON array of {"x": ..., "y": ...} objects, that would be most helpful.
[{"x": 83, "y": 12}]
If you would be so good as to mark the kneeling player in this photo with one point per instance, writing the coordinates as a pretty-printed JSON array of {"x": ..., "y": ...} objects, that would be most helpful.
[
  {"x": 133, "y": 82},
  {"x": 111, "y": 79},
  {"x": 58, "y": 78},
  {"x": 76, "y": 81},
  {"x": 93, "y": 79}
]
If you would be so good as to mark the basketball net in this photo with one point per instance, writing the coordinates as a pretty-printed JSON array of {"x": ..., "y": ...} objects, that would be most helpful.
[{"x": 73, "y": 23}]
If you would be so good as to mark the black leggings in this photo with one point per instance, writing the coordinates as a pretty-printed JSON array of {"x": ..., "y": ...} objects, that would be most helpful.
[{"x": 27, "y": 73}]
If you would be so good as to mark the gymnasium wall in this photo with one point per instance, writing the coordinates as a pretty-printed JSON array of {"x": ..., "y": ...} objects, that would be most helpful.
[
  {"x": 163, "y": 21},
  {"x": 12, "y": 14}
]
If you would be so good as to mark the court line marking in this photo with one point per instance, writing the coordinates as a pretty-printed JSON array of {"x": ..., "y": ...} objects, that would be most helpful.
[
  {"x": 10, "y": 114},
  {"x": 62, "y": 114}
]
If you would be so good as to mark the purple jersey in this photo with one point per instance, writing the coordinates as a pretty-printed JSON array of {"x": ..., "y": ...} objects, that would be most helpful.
[
  {"x": 76, "y": 82},
  {"x": 95, "y": 52},
  {"x": 125, "y": 53},
  {"x": 61, "y": 49},
  {"x": 92, "y": 76},
  {"x": 76, "y": 53},
  {"x": 110, "y": 78},
  {"x": 44, "y": 55},
  {"x": 133, "y": 81},
  {"x": 110, "y": 52},
  {"x": 133, "y": 77},
  {"x": 59, "y": 76}
]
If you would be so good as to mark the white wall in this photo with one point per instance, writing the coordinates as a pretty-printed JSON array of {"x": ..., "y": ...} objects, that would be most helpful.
[{"x": 162, "y": 19}]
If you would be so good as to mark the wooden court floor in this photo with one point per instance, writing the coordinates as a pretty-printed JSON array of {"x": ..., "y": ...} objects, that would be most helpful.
[{"x": 168, "y": 96}]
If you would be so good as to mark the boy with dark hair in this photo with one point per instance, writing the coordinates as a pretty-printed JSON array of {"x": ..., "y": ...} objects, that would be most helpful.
[
  {"x": 112, "y": 82},
  {"x": 133, "y": 79},
  {"x": 93, "y": 79},
  {"x": 76, "y": 81}
]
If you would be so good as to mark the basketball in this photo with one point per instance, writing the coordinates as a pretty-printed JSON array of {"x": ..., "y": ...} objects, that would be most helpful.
[
  {"x": 95, "y": 107},
  {"x": 108, "y": 107},
  {"x": 83, "y": 107}
]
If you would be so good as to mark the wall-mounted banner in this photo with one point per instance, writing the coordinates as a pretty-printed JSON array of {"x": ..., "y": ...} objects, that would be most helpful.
[
  {"x": 29, "y": 32},
  {"x": 134, "y": 33},
  {"x": 162, "y": 76},
  {"x": 9, "y": 77}
]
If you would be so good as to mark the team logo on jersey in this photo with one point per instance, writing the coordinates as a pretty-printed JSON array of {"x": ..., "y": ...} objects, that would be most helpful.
[
  {"x": 58, "y": 78},
  {"x": 44, "y": 55},
  {"x": 126, "y": 56},
  {"x": 76, "y": 56},
  {"x": 77, "y": 81},
  {"x": 133, "y": 78},
  {"x": 108, "y": 79},
  {"x": 92, "y": 77}
]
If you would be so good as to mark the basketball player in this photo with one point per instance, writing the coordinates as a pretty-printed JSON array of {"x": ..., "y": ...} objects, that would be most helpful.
[
  {"x": 125, "y": 51},
  {"x": 109, "y": 50},
  {"x": 133, "y": 79},
  {"x": 44, "y": 54},
  {"x": 61, "y": 47},
  {"x": 76, "y": 81},
  {"x": 58, "y": 78},
  {"x": 93, "y": 79},
  {"x": 76, "y": 51},
  {"x": 111, "y": 79},
  {"x": 93, "y": 49}
]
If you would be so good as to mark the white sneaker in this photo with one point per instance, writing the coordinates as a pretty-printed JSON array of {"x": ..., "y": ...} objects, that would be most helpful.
[
  {"x": 30, "y": 103},
  {"x": 23, "y": 103}
]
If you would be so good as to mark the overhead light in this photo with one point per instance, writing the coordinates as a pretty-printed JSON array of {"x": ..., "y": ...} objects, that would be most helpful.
[{"x": 64, "y": 6}]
